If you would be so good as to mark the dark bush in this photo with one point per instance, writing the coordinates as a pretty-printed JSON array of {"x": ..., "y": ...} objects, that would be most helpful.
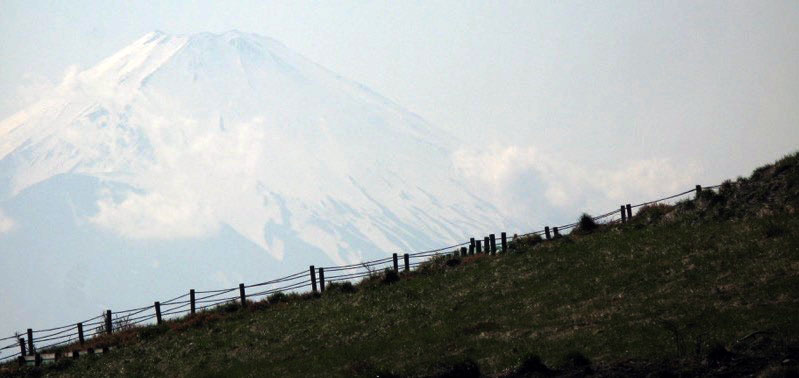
[
  {"x": 277, "y": 297},
  {"x": 520, "y": 243},
  {"x": 717, "y": 354},
  {"x": 343, "y": 287},
  {"x": 578, "y": 361},
  {"x": 466, "y": 368},
  {"x": 652, "y": 213},
  {"x": 709, "y": 197},
  {"x": 586, "y": 224},
  {"x": 229, "y": 307},
  {"x": 773, "y": 230},
  {"x": 390, "y": 276},
  {"x": 453, "y": 262},
  {"x": 531, "y": 365},
  {"x": 686, "y": 204},
  {"x": 726, "y": 188}
]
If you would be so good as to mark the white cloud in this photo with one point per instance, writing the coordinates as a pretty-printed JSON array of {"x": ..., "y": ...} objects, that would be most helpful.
[
  {"x": 533, "y": 187},
  {"x": 6, "y": 224},
  {"x": 155, "y": 216},
  {"x": 646, "y": 179},
  {"x": 200, "y": 178}
]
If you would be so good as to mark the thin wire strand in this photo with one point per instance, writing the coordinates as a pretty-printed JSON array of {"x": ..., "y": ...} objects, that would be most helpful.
[
  {"x": 665, "y": 198},
  {"x": 51, "y": 329},
  {"x": 290, "y": 277},
  {"x": 174, "y": 299},
  {"x": 214, "y": 295},
  {"x": 56, "y": 337}
]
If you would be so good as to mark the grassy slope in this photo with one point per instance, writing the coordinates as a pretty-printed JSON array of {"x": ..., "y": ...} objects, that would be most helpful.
[{"x": 639, "y": 291}]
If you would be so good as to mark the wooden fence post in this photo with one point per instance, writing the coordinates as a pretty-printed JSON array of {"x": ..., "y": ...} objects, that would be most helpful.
[
  {"x": 37, "y": 359},
  {"x": 321, "y": 280},
  {"x": 487, "y": 244},
  {"x": 31, "y": 350},
  {"x": 471, "y": 246},
  {"x": 157, "y": 306},
  {"x": 463, "y": 252},
  {"x": 109, "y": 326},
  {"x": 479, "y": 246},
  {"x": 313, "y": 279},
  {"x": 242, "y": 296},
  {"x": 623, "y": 215},
  {"x": 493, "y": 244},
  {"x": 75, "y": 354},
  {"x": 407, "y": 259},
  {"x": 23, "y": 352},
  {"x": 504, "y": 237},
  {"x": 698, "y": 191},
  {"x": 629, "y": 212},
  {"x": 192, "y": 301},
  {"x": 555, "y": 232},
  {"x": 396, "y": 263},
  {"x": 81, "y": 340},
  {"x": 546, "y": 231}
]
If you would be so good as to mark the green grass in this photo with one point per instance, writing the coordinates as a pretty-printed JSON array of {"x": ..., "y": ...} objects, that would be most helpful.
[{"x": 622, "y": 293}]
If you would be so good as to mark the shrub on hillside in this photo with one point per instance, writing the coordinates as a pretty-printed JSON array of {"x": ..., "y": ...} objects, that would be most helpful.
[
  {"x": 773, "y": 229},
  {"x": 726, "y": 188},
  {"x": 390, "y": 276},
  {"x": 652, "y": 213},
  {"x": 531, "y": 365},
  {"x": 343, "y": 287},
  {"x": 585, "y": 225},
  {"x": 453, "y": 261},
  {"x": 277, "y": 297},
  {"x": 465, "y": 368},
  {"x": 577, "y": 361},
  {"x": 521, "y": 243},
  {"x": 433, "y": 265},
  {"x": 709, "y": 198},
  {"x": 718, "y": 354},
  {"x": 229, "y": 307}
]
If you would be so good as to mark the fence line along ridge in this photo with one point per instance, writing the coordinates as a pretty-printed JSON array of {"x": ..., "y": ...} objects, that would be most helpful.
[{"x": 29, "y": 342}]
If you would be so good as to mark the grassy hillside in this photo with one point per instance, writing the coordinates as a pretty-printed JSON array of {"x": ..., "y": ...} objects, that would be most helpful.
[{"x": 709, "y": 286}]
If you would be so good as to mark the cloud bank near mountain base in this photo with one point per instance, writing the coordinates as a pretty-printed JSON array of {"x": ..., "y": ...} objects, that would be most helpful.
[
  {"x": 534, "y": 187},
  {"x": 6, "y": 223}
]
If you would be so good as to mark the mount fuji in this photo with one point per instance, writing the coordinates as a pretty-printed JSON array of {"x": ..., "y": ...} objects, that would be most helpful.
[{"x": 206, "y": 160}]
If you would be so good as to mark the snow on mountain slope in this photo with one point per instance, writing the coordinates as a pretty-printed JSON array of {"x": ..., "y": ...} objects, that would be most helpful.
[{"x": 186, "y": 135}]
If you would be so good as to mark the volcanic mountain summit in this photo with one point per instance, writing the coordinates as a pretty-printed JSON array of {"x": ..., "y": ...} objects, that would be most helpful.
[{"x": 214, "y": 158}]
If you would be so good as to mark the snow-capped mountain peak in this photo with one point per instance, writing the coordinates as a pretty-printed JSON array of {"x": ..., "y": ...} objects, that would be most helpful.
[{"x": 189, "y": 133}]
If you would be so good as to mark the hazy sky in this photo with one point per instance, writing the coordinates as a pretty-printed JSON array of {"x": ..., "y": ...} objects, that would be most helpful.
[
  {"x": 698, "y": 90},
  {"x": 559, "y": 107}
]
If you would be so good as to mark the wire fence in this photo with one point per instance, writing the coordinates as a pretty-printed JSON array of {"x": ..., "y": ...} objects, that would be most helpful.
[{"x": 31, "y": 341}]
